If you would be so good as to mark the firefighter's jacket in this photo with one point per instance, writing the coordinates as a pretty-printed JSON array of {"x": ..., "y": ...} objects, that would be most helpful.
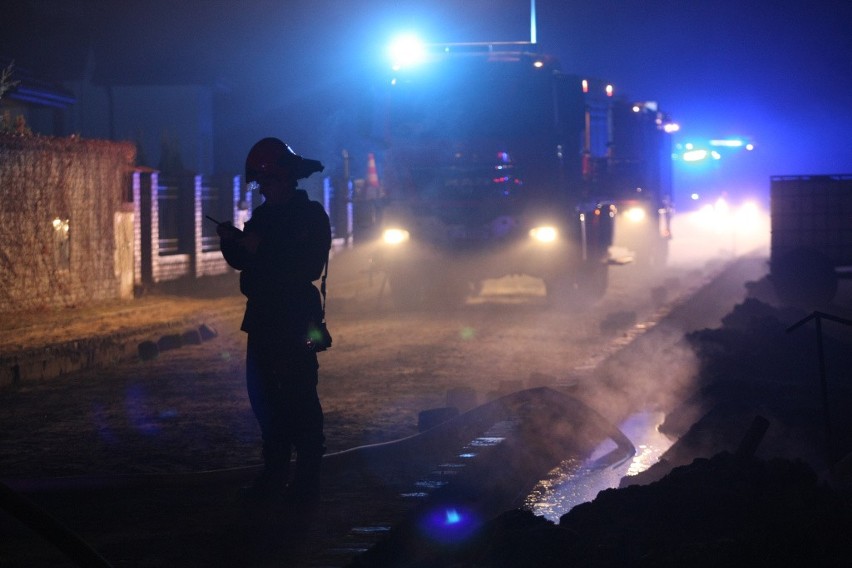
[{"x": 277, "y": 279}]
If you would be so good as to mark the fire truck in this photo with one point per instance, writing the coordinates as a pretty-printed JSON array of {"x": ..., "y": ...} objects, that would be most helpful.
[{"x": 495, "y": 162}]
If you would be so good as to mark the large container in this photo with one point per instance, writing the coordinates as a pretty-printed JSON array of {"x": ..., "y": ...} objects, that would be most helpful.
[{"x": 811, "y": 235}]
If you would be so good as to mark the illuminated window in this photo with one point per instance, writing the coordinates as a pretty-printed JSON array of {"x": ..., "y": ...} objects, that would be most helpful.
[{"x": 62, "y": 243}]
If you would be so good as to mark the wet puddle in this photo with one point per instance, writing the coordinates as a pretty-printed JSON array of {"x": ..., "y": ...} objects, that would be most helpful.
[
  {"x": 577, "y": 480},
  {"x": 573, "y": 482}
]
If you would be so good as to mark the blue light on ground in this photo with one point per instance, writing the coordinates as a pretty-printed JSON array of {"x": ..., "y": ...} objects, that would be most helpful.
[
  {"x": 137, "y": 403},
  {"x": 448, "y": 524}
]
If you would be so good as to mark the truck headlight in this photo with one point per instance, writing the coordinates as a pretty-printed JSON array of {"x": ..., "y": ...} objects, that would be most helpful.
[
  {"x": 394, "y": 236},
  {"x": 635, "y": 214},
  {"x": 544, "y": 234}
]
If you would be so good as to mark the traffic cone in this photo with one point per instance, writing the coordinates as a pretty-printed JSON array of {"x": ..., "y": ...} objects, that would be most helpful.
[{"x": 372, "y": 174}]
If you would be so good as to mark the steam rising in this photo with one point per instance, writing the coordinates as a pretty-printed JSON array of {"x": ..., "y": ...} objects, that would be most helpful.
[
  {"x": 507, "y": 335},
  {"x": 654, "y": 375},
  {"x": 702, "y": 236}
]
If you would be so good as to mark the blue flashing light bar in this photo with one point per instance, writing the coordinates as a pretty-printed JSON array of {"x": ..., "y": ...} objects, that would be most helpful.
[
  {"x": 728, "y": 143},
  {"x": 406, "y": 50},
  {"x": 694, "y": 155}
]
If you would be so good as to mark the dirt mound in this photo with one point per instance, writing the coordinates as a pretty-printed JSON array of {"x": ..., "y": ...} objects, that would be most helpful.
[
  {"x": 755, "y": 365},
  {"x": 722, "y": 511}
]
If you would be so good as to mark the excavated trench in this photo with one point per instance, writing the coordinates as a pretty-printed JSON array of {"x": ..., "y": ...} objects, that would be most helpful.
[{"x": 562, "y": 475}]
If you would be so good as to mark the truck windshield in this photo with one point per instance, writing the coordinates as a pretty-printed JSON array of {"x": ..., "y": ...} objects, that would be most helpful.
[{"x": 465, "y": 100}]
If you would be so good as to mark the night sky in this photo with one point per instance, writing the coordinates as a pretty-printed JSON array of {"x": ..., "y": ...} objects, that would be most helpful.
[{"x": 779, "y": 72}]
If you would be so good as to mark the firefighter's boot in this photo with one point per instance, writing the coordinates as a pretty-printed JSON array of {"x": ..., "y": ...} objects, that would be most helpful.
[
  {"x": 272, "y": 481},
  {"x": 305, "y": 488}
]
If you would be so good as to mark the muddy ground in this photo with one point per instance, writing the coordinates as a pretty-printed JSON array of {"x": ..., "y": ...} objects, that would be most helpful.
[{"x": 159, "y": 423}]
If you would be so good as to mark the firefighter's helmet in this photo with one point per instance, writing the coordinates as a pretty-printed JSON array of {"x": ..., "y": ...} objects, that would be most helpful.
[{"x": 274, "y": 157}]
